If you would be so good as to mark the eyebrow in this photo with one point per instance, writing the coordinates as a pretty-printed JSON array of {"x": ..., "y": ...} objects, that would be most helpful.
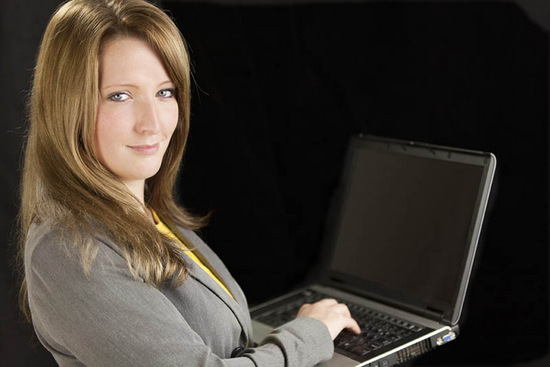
[{"x": 130, "y": 85}]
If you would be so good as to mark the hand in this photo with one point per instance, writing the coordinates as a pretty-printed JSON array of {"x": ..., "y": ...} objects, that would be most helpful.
[{"x": 334, "y": 315}]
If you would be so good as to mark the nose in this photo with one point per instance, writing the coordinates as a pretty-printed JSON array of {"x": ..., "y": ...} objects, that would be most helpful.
[{"x": 147, "y": 119}]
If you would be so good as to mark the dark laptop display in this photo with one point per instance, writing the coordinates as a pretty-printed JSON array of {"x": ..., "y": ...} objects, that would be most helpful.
[
  {"x": 407, "y": 219},
  {"x": 402, "y": 244}
]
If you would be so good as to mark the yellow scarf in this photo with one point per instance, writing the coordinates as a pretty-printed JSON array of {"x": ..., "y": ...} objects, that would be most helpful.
[{"x": 166, "y": 231}]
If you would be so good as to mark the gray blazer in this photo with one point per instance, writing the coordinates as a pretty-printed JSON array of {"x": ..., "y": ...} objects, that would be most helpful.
[{"x": 110, "y": 319}]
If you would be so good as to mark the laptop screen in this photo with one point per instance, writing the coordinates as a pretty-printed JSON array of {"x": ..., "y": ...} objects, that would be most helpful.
[{"x": 407, "y": 220}]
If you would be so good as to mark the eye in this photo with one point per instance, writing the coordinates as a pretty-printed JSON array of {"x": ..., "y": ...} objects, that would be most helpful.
[
  {"x": 119, "y": 97},
  {"x": 167, "y": 93}
]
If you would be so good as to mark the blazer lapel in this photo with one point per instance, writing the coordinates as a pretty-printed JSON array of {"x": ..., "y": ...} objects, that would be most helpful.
[{"x": 238, "y": 305}]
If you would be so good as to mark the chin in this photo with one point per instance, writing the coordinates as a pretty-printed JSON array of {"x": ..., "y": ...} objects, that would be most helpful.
[{"x": 144, "y": 173}]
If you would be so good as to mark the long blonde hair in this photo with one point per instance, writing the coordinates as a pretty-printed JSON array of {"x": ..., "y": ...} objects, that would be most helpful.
[{"x": 63, "y": 181}]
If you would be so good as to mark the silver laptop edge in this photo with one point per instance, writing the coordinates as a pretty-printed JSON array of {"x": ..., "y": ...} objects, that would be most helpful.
[{"x": 261, "y": 330}]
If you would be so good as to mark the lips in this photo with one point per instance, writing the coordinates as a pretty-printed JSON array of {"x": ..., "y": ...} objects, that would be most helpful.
[{"x": 146, "y": 149}]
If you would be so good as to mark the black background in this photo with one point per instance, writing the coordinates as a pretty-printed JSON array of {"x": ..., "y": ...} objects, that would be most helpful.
[{"x": 279, "y": 90}]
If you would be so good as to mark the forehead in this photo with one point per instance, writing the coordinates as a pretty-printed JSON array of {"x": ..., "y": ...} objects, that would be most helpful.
[{"x": 128, "y": 59}]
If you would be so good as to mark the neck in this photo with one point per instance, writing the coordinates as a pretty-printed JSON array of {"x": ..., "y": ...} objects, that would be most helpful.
[{"x": 137, "y": 188}]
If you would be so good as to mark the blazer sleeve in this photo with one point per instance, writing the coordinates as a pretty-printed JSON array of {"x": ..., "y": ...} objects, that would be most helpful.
[{"x": 111, "y": 319}]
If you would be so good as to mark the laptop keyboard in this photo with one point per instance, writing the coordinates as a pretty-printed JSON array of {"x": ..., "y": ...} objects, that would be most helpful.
[{"x": 377, "y": 329}]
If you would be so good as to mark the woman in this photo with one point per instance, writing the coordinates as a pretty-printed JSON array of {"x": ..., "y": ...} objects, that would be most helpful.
[{"x": 114, "y": 274}]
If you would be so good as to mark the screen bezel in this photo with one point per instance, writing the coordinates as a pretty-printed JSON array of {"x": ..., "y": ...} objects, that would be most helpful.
[{"x": 448, "y": 313}]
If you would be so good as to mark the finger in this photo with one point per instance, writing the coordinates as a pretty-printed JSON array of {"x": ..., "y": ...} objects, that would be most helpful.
[
  {"x": 353, "y": 326},
  {"x": 327, "y": 301}
]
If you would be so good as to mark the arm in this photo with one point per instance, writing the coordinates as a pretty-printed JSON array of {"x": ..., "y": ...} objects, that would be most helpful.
[{"x": 112, "y": 319}]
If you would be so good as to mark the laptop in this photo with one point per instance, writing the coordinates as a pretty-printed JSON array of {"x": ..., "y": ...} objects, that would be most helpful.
[{"x": 399, "y": 252}]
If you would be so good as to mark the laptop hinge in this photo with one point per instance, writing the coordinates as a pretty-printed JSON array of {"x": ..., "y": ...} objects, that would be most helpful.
[{"x": 433, "y": 314}]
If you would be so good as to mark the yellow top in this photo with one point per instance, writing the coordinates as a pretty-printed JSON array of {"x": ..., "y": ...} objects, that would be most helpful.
[{"x": 166, "y": 231}]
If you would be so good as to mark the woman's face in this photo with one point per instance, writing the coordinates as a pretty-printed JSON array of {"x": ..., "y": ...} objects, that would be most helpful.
[{"x": 137, "y": 111}]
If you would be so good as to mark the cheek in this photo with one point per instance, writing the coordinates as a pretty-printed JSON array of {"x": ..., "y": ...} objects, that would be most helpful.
[
  {"x": 172, "y": 117},
  {"x": 106, "y": 134},
  {"x": 100, "y": 145}
]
